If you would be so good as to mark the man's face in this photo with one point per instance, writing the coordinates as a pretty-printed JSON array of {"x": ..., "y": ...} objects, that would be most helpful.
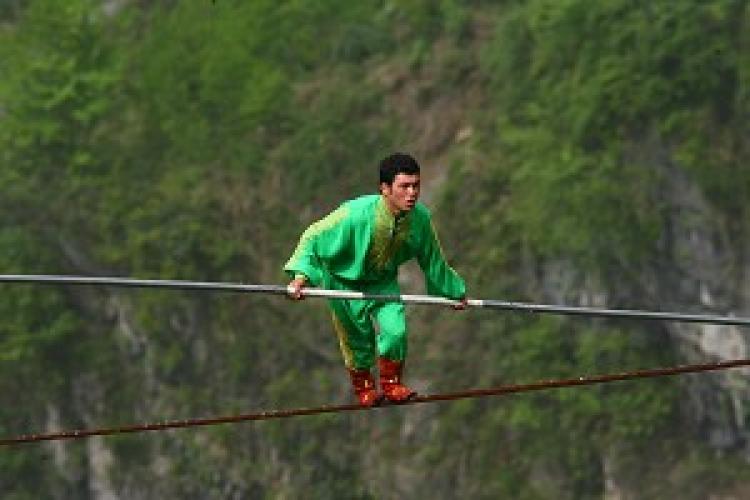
[{"x": 402, "y": 195}]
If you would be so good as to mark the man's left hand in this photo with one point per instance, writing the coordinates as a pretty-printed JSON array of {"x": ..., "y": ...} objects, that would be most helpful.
[{"x": 461, "y": 305}]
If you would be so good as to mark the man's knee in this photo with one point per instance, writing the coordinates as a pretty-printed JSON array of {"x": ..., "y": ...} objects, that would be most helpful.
[{"x": 392, "y": 343}]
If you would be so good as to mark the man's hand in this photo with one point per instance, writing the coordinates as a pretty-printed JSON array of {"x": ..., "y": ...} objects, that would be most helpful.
[
  {"x": 462, "y": 304},
  {"x": 295, "y": 288}
]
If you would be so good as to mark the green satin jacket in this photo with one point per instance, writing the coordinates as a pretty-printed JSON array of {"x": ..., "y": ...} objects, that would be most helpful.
[{"x": 361, "y": 242}]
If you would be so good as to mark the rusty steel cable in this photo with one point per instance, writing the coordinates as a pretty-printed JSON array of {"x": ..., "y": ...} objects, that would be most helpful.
[
  {"x": 452, "y": 396},
  {"x": 409, "y": 299}
]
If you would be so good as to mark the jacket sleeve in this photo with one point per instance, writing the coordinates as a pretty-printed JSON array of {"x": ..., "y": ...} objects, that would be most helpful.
[
  {"x": 440, "y": 278},
  {"x": 320, "y": 244}
]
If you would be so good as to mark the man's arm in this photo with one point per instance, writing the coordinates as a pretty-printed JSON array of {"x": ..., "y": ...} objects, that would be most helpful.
[
  {"x": 320, "y": 242},
  {"x": 440, "y": 278}
]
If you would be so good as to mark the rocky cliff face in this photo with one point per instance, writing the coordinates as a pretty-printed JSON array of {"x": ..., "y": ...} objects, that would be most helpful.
[
  {"x": 702, "y": 268},
  {"x": 699, "y": 265}
]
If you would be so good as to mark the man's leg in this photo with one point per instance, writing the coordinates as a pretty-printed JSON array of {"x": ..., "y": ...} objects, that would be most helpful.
[
  {"x": 392, "y": 341},
  {"x": 392, "y": 349},
  {"x": 355, "y": 333},
  {"x": 356, "y": 336}
]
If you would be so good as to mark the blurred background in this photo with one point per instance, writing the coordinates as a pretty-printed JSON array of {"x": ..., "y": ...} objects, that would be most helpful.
[{"x": 574, "y": 152}]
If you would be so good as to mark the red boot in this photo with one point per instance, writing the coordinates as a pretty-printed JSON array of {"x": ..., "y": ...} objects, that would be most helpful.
[
  {"x": 390, "y": 381},
  {"x": 364, "y": 388}
]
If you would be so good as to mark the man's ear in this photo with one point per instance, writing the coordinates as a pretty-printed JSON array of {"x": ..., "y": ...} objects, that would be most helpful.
[{"x": 385, "y": 188}]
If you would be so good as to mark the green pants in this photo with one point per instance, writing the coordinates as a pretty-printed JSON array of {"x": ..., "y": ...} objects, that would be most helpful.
[{"x": 353, "y": 323}]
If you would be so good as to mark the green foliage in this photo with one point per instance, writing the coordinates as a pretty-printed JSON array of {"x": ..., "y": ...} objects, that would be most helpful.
[
  {"x": 593, "y": 105},
  {"x": 197, "y": 139},
  {"x": 577, "y": 85}
]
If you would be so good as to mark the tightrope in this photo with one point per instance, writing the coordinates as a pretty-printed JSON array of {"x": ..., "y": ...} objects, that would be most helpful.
[
  {"x": 349, "y": 295},
  {"x": 476, "y": 393}
]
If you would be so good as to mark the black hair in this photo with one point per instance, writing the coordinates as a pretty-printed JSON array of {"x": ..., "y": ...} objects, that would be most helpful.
[{"x": 397, "y": 163}]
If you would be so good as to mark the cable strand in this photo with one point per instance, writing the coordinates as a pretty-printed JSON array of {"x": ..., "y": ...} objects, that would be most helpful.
[{"x": 452, "y": 396}]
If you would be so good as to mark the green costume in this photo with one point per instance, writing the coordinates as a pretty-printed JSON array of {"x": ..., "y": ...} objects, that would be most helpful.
[{"x": 359, "y": 247}]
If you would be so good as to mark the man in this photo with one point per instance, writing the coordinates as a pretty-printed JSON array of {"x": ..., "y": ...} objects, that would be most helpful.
[{"x": 359, "y": 247}]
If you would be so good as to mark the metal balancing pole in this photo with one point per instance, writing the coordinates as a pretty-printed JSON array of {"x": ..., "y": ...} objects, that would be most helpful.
[{"x": 408, "y": 299}]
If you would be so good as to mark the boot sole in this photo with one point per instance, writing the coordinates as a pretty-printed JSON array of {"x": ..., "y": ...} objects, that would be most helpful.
[{"x": 387, "y": 402}]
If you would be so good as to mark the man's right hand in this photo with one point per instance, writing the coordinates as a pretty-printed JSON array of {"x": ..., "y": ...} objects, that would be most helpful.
[{"x": 295, "y": 288}]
